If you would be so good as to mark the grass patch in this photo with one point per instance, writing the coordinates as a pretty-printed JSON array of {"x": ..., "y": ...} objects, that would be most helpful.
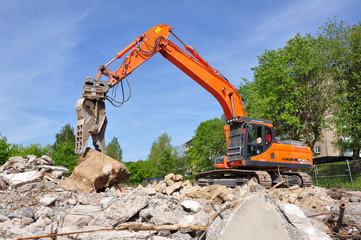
[{"x": 336, "y": 175}]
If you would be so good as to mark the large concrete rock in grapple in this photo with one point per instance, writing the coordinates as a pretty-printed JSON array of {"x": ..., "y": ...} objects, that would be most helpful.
[{"x": 95, "y": 171}]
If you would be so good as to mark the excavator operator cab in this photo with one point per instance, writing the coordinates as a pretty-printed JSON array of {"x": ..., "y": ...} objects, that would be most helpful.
[
  {"x": 247, "y": 138},
  {"x": 259, "y": 138}
]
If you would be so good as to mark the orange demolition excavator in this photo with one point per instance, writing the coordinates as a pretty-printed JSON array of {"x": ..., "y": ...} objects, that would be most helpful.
[{"x": 253, "y": 151}]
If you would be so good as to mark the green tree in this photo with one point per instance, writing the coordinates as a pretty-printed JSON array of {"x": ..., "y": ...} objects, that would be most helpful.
[
  {"x": 16, "y": 149},
  {"x": 140, "y": 171},
  {"x": 64, "y": 155},
  {"x": 114, "y": 150},
  {"x": 291, "y": 87},
  {"x": 34, "y": 149},
  {"x": 62, "y": 151},
  {"x": 166, "y": 163},
  {"x": 161, "y": 144},
  {"x": 4, "y": 149},
  {"x": 66, "y": 134},
  {"x": 180, "y": 160},
  {"x": 344, "y": 62},
  {"x": 208, "y": 143}
]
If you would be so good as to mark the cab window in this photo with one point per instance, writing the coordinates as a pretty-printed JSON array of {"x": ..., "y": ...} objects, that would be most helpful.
[
  {"x": 268, "y": 136},
  {"x": 255, "y": 143}
]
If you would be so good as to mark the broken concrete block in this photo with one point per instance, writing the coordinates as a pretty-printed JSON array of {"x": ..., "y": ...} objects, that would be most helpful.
[
  {"x": 85, "y": 209},
  {"x": 170, "y": 217},
  {"x": 2, "y": 183},
  {"x": 115, "y": 189},
  {"x": 123, "y": 209},
  {"x": 299, "y": 219},
  {"x": 106, "y": 202},
  {"x": 160, "y": 187},
  {"x": 172, "y": 188},
  {"x": 21, "y": 223},
  {"x": 17, "y": 179},
  {"x": 168, "y": 179},
  {"x": 191, "y": 205},
  {"x": 17, "y": 159},
  {"x": 260, "y": 210},
  {"x": 353, "y": 199},
  {"x": 48, "y": 200},
  {"x": 188, "y": 219},
  {"x": 3, "y": 218},
  {"x": 33, "y": 160},
  {"x": 27, "y": 212},
  {"x": 46, "y": 160},
  {"x": 181, "y": 236},
  {"x": 80, "y": 221},
  {"x": 95, "y": 171},
  {"x": 201, "y": 218},
  {"x": 151, "y": 191},
  {"x": 177, "y": 178}
]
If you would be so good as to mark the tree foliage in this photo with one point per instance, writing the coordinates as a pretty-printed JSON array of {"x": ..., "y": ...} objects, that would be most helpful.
[
  {"x": 63, "y": 149},
  {"x": 114, "y": 150},
  {"x": 64, "y": 155},
  {"x": 162, "y": 159},
  {"x": 290, "y": 88},
  {"x": 140, "y": 171},
  {"x": 161, "y": 144},
  {"x": 66, "y": 134},
  {"x": 4, "y": 149},
  {"x": 208, "y": 143},
  {"x": 165, "y": 163},
  {"x": 343, "y": 48},
  {"x": 180, "y": 160},
  {"x": 32, "y": 149}
]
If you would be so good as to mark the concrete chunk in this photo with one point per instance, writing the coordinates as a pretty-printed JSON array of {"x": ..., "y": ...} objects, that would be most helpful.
[
  {"x": 258, "y": 210},
  {"x": 17, "y": 179},
  {"x": 192, "y": 205},
  {"x": 95, "y": 171},
  {"x": 299, "y": 219}
]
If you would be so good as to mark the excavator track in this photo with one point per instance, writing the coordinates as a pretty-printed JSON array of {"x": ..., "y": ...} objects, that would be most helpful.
[
  {"x": 264, "y": 179},
  {"x": 305, "y": 178},
  {"x": 233, "y": 177},
  {"x": 237, "y": 177}
]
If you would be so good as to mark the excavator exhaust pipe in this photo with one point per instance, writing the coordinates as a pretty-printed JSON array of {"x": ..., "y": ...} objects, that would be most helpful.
[{"x": 90, "y": 111}]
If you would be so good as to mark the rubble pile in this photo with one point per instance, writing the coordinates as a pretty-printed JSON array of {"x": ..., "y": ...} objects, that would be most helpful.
[
  {"x": 168, "y": 209},
  {"x": 18, "y": 171},
  {"x": 312, "y": 198},
  {"x": 173, "y": 186}
]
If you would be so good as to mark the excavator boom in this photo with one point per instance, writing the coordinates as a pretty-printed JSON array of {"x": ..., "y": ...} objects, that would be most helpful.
[{"x": 91, "y": 108}]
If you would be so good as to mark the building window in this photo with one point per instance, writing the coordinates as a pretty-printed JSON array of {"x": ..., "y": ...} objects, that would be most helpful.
[{"x": 318, "y": 149}]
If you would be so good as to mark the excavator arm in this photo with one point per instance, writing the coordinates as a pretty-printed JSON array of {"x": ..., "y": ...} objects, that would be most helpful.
[{"x": 91, "y": 107}]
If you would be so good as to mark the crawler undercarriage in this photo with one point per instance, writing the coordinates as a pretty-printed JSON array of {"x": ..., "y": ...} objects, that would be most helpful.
[{"x": 237, "y": 177}]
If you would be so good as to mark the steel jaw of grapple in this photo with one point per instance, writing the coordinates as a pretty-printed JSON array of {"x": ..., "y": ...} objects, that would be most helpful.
[{"x": 90, "y": 111}]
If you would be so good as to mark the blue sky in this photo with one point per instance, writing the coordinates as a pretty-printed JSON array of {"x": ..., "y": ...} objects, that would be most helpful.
[{"x": 47, "y": 48}]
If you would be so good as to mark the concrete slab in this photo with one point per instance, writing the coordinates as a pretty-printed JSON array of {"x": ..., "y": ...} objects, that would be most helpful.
[{"x": 257, "y": 219}]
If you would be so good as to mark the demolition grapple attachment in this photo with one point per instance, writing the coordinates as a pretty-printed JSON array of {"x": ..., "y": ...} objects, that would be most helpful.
[{"x": 90, "y": 111}]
